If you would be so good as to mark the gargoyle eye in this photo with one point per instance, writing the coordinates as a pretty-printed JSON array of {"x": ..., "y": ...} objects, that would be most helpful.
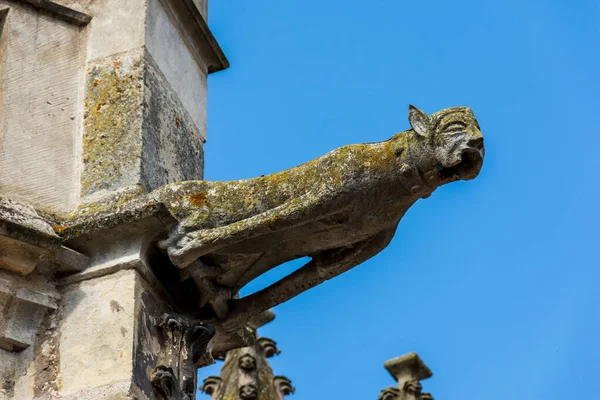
[{"x": 454, "y": 126}]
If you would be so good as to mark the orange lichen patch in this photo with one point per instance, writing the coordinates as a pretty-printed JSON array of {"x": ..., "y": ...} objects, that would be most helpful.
[
  {"x": 199, "y": 199},
  {"x": 59, "y": 229}
]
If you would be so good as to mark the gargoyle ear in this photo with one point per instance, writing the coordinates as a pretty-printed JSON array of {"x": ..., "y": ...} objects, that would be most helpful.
[{"x": 418, "y": 120}]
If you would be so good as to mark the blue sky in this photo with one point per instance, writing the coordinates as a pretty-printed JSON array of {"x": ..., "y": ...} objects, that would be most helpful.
[{"x": 494, "y": 282}]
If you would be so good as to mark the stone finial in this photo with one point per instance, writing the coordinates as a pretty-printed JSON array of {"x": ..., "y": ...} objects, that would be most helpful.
[
  {"x": 408, "y": 370},
  {"x": 269, "y": 347}
]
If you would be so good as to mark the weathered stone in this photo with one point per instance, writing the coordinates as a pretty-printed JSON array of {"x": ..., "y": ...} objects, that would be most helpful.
[
  {"x": 408, "y": 370},
  {"x": 339, "y": 209},
  {"x": 269, "y": 347},
  {"x": 23, "y": 305},
  {"x": 42, "y": 58},
  {"x": 183, "y": 349},
  {"x": 246, "y": 374},
  {"x": 103, "y": 120}
]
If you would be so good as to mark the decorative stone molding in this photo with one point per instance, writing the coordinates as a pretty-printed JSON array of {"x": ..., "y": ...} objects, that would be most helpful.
[
  {"x": 390, "y": 393},
  {"x": 23, "y": 305},
  {"x": 283, "y": 386},
  {"x": 27, "y": 241},
  {"x": 58, "y": 11},
  {"x": 269, "y": 347},
  {"x": 212, "y": 386},
  {"x": 413, "y": 387},
  {"x": 247, "y": 362},
  {"x": 248, "y": 392},
  {"x": 183, "y": 342}
]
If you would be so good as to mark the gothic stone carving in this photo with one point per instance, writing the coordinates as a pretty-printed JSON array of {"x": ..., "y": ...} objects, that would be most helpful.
[
  {"x": 390, "y": 393},
  {"x": 408, "y": 370},
  {"x": 340, "y": 209},
  {"x": 212, "y": 386},
  {"x": 283, "y": 386},
  {"x": 183, "y": 343},
  {"x": 248, "y": 392},
  {"x": 247, "y": 362},
  {"x": 269, "y": 347},
  {"x": 413, "y": 387}
]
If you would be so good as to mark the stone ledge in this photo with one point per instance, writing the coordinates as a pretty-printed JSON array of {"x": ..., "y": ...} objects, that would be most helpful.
[
  {"x": 196, "y": 33},
  {"x": 27, "y": 241},
  {"x": 63, "y": 13}
]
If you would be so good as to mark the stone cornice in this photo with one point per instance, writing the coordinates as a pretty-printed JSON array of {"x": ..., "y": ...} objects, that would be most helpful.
[
  {"x": 196, "y": 34},
  {"x": 63, "y": 13}
]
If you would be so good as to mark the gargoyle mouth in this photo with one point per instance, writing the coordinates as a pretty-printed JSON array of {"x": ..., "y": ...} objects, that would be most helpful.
[{"x": 467, "y": 168}]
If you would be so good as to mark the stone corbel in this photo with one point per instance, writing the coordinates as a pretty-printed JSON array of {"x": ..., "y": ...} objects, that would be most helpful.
[
  {"x": 283, "y": 386},
  {"x": 212, "y": 386},
  {"x": 184, "y": 343},
  {"x": 22, "y": 311},
  {"x": 269, "y": 347},
  {"x": 390, "y": 393}
]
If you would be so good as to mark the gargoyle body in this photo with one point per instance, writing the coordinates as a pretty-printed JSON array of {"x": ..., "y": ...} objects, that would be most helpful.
[{"x": 339, "y": 209}]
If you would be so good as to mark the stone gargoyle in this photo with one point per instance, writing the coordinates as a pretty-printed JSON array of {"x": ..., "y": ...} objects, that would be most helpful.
[{"x": 339, "y": 209}]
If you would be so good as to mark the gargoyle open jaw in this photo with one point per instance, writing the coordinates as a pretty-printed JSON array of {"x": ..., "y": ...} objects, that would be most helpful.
[{"x": 467, "y": 168}]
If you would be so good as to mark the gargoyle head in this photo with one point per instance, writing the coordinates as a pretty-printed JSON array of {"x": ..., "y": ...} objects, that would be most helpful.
[{"x": 448, "y": 141}]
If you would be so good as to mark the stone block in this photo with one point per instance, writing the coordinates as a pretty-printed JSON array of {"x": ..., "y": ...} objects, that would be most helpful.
[{"x": 41, "y": 70}]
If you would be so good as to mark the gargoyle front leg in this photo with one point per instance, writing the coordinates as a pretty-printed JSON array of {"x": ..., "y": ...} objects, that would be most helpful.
[
  {"x": 184, "y": 248},
  {"x": 322, "y": 267}
]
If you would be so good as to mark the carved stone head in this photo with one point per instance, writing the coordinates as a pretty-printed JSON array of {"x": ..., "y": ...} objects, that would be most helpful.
[
  {"x": 447, "y": 142},
  {"x": 247, "y": 362},
  {"x": 248, "y": 392}
]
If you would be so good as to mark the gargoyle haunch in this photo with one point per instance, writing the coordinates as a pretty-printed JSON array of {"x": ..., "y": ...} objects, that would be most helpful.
[{"x": 339, "y": 209}]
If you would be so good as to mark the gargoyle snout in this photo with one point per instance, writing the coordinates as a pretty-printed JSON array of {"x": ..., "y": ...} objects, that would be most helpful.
[
  {"x": 468, "y": 165},
  {"x": 476, "y": 143}
]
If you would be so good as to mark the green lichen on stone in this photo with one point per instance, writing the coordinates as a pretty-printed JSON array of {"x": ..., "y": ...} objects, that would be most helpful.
[
  {"x": 112, "y": 122},
  {"x": 341, "y": 188}
]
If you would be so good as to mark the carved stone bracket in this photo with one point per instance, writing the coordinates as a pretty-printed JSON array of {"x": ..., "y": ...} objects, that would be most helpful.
[
  {"x": 212, "y": 386},
  {"x": 184, "y": 342},
  {"x": 283, "y": 386},
  {"x": 390, "y": 393},
  {"x": 248, "y": 392},
  {"x": 23, "y": 305},
  {"x": 269, "y": 347}
]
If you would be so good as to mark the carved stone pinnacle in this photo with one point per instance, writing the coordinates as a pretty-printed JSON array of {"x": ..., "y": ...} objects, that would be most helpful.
[{"x": 183, "y": 343}]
